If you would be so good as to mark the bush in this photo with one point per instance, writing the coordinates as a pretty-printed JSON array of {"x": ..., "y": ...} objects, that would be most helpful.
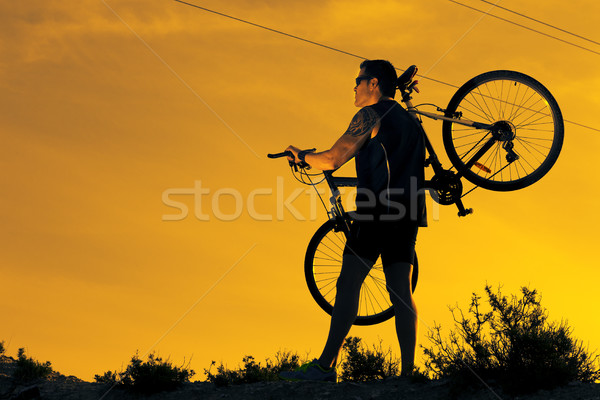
[
  {"x": 2, "y": 349},
  {"x": 151, "y": 376},
  {"x": 28, "y": 369},
  {"x": 253, "y": 372},
  {"x": 513, "y": 344},
  {"x": 111, "y": 377},
  {"x": 362, "y": 364}
]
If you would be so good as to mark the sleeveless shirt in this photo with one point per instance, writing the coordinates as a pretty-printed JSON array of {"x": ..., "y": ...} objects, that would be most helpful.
[{"x": 390, "y": 167}]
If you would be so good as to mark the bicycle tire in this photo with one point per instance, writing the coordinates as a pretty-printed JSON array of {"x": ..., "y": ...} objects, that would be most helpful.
[
  {"x": 322, "y": 266},
  {"x": 522, "y": 104}
]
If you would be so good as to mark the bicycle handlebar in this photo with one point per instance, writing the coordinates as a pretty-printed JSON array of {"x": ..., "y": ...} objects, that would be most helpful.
[{"x": 288, "y": 153}]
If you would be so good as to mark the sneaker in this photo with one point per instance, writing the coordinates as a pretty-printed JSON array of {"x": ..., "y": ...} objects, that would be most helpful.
[{"x": 311, "y": 371}]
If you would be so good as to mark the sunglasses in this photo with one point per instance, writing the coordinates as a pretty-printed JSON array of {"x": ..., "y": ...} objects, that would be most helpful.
[{"x": 362, "y": 78}]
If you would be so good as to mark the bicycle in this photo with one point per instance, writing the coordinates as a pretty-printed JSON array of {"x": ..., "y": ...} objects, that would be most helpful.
[{"x": 502, "y": 131}]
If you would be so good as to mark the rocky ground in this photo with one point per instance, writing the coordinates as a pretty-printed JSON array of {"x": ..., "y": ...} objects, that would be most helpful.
[{"x": 60, "y": 387}]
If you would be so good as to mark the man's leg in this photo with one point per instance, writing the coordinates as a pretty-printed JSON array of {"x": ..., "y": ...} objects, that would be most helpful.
[
  {"x": 354, "y": 271},
  {"x": 398, "y": 278}
]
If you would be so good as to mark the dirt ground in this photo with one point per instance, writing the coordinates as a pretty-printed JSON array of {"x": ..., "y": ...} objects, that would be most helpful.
[{"x": 60, "y": 387}]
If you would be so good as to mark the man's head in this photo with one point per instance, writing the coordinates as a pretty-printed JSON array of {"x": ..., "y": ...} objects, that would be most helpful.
[
  {"x": 385, "y": 73},
  {"x": 379, "y": 77}
]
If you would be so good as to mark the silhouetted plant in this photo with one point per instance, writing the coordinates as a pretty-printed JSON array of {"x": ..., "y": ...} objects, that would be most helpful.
[
  {"x": 513, "y": 344},
  {"x": 28, "y": 369},
  {"x": 151, "y": 376},
  {"x": 111, "y": 377},
  {"x": 362, "y": 364},
  {"x": 252, "y": 371},
  {"x": 2, "y": 349}
]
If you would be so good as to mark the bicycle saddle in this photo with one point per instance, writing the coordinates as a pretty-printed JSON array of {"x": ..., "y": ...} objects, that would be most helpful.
[{"x": 405, "y": 79}]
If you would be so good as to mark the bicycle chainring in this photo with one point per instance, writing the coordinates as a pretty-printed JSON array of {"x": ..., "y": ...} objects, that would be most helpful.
[{"x": 448, "y": 188}]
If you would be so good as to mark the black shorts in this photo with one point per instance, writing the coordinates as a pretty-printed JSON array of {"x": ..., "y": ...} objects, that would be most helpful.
[{"x": 394, "y": 241}]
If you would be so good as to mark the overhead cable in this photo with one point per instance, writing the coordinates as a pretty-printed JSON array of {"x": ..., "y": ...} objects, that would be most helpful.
[{"x": 355, "y": 55}]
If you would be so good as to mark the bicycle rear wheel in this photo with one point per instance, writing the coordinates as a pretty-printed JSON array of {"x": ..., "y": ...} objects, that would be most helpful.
[
  {"x": 322, "y": 266},
  {"x": 532, "y": 129}
]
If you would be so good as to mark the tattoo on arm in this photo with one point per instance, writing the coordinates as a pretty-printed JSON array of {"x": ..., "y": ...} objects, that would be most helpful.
[{"x": 363, "y": 122}]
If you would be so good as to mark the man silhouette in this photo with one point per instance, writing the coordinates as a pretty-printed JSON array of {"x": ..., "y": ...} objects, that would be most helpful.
[{"x": 390, "y": 152}]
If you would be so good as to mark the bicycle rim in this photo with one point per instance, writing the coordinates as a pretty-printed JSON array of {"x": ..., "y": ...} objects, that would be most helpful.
[{"x": 531, "y": 116}]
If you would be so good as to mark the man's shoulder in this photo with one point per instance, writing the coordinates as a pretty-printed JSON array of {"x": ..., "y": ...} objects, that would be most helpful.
[
  {"x": 366, "y": 114},
  {"x": 387, "y": 107}
]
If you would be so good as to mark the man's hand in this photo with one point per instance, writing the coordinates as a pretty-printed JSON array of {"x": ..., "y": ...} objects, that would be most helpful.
[{"x": 294, "y": 150}]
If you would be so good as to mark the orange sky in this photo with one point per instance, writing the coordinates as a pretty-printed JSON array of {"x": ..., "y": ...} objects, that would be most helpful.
[{"x": 101, "y": 112}]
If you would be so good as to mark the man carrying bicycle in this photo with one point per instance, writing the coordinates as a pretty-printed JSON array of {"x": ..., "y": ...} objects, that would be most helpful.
[{"x": 390, "y": 155}]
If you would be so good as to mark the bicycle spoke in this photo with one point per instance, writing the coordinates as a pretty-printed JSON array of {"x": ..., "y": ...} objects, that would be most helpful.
[
  {"x": 383, "y": 294},
  {"x": 337, "y": 251},
  {"x": 329, "y": 258},
  {"x": 338, "y": 242},
  {"x": 485, "y": 115},
  {"x": 528, "y": 142},
  {"x": 370, "y": 296}
]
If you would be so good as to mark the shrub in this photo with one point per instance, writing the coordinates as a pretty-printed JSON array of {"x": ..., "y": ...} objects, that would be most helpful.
[
  {"x": 28, "y": 369},
  {"x": 252, "y": 371},
  {"x": 151, "y": 376},
  {"x": 513, "y": 344},
  {"x": 362, "y": 364},
  {"x": 2, "y": 349},
  {"x": 111, "y": 377}
]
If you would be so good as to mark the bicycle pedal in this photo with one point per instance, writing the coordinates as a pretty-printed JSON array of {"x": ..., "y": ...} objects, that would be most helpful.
[{"x": 466, "y": 212}]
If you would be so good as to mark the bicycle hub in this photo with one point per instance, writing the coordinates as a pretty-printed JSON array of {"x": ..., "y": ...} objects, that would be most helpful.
[{"x": 504, "y": 131}]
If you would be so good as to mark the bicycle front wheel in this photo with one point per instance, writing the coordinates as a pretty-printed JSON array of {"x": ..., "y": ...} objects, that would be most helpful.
[
  {"x": 322, "y": 267},
  {"x": 531, "y": 123}
]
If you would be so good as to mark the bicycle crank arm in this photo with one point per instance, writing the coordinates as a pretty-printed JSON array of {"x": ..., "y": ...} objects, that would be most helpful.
[{"x": 462, "y": 211}]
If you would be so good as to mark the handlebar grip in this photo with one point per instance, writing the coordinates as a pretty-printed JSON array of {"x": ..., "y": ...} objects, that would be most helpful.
[
  {"x": 287, "y": 153},
  {"x": 282, "y": 154}
]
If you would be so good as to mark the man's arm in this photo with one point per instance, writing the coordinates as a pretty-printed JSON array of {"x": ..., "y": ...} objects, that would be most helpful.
[{"x": 364, "y": 124}]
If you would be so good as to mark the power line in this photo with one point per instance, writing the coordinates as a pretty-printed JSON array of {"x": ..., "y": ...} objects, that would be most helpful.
[
  {"x": 526, "y": 27},
  {"x": 342, "y": 51},
  {"x": 541, "y": 22},
  {"x": 270, "y": 29},
  {"x": 300, "y": 38}
]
